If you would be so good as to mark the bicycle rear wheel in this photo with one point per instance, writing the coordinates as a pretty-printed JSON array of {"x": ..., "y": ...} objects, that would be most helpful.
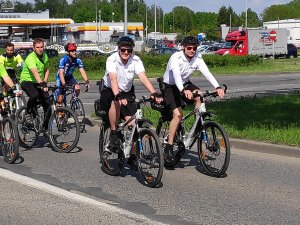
[
  {"x": 77, "y": 107},
  {"x": 162, "y": 131},
  {"x": 111, "y": 163},
  {"x": 63, "y": 130},
  {"x": 214, "y": 149},
  {"x": 150, "y": 158},
  {"x": 27, "y": 131},
  {"x": 9, "y": 140}
]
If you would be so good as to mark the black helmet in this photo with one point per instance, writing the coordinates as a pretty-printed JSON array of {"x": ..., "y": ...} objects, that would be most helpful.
[
  {"x": 127, "y": 41},
  {"x": 190, "y": 40}
]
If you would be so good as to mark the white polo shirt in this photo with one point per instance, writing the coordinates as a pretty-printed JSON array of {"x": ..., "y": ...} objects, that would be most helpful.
[
  {"x": 179, "y": 70},
  {"x": 125, "y": 73}
]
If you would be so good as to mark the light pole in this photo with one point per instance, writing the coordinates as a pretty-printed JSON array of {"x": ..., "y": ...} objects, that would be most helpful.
[
  {"x": 96, "y": 4},
  {"x": 99, "y": 36},
  {"x": 112, "y": 16},
  {"x": 155, "y": 23},
  {"x": 146, "y": 29},
  {"x": 246, "y": 15},
  {"x": 125, "y": 18}
]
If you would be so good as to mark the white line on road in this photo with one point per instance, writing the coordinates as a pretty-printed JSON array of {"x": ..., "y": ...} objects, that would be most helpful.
[{"x": 69, "y": 195}]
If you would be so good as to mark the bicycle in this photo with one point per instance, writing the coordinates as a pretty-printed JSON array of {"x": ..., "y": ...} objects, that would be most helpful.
[
  {"x": 9, "y": 139},
  {"x": 63, "y": 129},
  {"x": 213, "y": 145},
  {"x": 76, "y": 105},
  {"x": 140, "y": 138},
  {"x": 18, "y": 100}
]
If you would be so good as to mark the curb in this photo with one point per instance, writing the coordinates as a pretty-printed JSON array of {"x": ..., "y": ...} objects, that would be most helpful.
[{"x": 240, "y": 144}]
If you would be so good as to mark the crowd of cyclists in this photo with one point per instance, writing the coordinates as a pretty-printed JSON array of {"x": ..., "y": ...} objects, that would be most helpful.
[{"x": 117, "y": 94}]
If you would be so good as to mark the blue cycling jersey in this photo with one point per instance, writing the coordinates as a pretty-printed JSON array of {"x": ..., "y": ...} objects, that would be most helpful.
[{"x": 69, "y": 65}]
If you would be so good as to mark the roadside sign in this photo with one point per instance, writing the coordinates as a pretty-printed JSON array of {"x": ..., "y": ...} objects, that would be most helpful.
[
  {"x": 273, "y": 35},
  {"x": 265, "y": 34}
]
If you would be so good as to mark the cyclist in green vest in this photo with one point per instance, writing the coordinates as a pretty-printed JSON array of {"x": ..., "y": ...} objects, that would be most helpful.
[{"x": 34, "y": 79}]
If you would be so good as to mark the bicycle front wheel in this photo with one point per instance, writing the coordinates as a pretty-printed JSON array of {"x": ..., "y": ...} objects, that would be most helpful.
[
  {"x": 9, "y": 140},
  {"x": 214, "y": 149},
  {"x": 149, "y": 158},
  {"x": 77, "y": 107},
  {"x": 17, "y": 103},
  {"x": 63, "y": 130},
  {"x": 27, "y": 131},
  {"x": 111, "y": 162}
]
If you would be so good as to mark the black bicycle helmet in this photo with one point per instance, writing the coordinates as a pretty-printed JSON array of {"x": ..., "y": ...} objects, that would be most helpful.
[
  {"x": 190, "y": 40},
  {"x": 125, "y": 41}
]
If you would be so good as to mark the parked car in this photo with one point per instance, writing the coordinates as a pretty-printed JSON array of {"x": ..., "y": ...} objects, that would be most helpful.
[
  {"x": 159, "y": 51},
  {"x": 292, "y": 51},
  {"x": 88, "y": 53},
  {"x": 24, "y": 52},
  {"x": 208, "y": 49}
]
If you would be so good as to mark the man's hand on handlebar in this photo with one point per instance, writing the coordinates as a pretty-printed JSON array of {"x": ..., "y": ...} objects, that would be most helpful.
[
  {"x": 188, "y": 94},
  {"x": 87, "y": 85},
  {"x": 157, "y": 97},
  {"x": 220, "y": 92},
  {"x": 44, "y": 86}
]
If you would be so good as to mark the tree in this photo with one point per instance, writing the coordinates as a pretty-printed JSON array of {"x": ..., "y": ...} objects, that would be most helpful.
[
  {"x": 252, "y": 18},
  {"x": 276, "y": 12}
]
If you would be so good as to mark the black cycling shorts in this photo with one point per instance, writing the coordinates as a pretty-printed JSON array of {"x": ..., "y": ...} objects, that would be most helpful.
[
  {"x": 174, "y": 99},
  {"x": 107, "y": 96}
]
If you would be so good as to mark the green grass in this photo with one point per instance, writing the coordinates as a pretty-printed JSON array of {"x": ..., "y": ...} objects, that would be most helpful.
[{"x": 273, "y": 119}]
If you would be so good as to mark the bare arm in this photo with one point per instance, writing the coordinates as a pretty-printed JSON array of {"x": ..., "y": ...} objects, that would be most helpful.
[
  {"x": 114, "y": 83},
  {"x": 46, "y": 77},
  {"x": 62, "y": 76},
  {"x": 8, "y": 81},
  {"x": 83, "y": 74},
  {"x": 146, "y": 82},
  {"x": 36, "y": 74}
]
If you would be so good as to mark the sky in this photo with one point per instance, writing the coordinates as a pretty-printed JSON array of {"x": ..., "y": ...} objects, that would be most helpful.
[{"x": 214, "y": 5}]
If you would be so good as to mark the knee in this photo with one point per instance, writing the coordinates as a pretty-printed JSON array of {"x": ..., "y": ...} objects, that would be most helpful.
[{"x": 177, "y": 115}]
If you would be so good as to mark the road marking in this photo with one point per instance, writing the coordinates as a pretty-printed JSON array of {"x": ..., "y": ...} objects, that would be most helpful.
[{"x": 51, "y": 189}]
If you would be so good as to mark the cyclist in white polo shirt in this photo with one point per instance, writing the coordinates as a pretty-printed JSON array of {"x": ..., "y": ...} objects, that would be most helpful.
[
  {"x": 178, "y": 88},
  {"x": 117, "y": 96}
]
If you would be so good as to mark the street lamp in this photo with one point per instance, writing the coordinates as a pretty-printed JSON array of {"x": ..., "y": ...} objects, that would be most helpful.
[
  {"x": 99, "y": 36},
  {"x": 155, "y": 23},
  {"x": 246, "y": 15},
  {"x": 125, "y": 18}
]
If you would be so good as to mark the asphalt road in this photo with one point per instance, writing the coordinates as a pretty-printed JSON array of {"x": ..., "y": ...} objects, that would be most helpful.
[{"x": 258, "y": 189}]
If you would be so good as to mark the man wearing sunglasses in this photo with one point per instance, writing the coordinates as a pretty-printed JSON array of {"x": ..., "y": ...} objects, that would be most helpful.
[
  {"x": 178, "y": 87},
  {"x": 117, "y": 96},
  {"x": 67, "y": 65}
]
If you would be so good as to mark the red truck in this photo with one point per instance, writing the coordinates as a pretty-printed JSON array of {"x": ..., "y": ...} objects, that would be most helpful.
[{"x": 263, "y": 42}]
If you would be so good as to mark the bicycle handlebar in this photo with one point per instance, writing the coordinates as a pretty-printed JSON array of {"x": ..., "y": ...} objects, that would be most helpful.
[{"x": 208, "y": 93}]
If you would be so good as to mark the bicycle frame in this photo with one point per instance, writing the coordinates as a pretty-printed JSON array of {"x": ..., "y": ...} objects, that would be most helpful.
[{"x": 139, "y": 120}]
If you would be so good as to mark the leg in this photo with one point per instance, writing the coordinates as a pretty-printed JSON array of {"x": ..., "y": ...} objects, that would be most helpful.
[
  {"x": 31, "y": 90},
  {"x": 45, "y": 101}
]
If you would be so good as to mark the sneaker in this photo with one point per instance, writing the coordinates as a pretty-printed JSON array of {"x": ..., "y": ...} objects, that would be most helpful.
[
  {"x": 169, "y": 154},
  {"x": 132, "y": 162}
]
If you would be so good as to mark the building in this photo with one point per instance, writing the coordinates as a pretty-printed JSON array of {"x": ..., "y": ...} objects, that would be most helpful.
[
  {"x": 292, "y": 26},
  {"x": 27, "y": 26}
]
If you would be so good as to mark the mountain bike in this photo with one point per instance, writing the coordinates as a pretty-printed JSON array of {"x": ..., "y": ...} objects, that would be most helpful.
[
  {"x": 9, "y": 138},
  {"x": 76, "y": 105},
  {"x": 140, "y": 139},
  {"x": 212, "y": 141},
  {"x": 16, "y": 101},
  {"x": 63, "y": 130}
]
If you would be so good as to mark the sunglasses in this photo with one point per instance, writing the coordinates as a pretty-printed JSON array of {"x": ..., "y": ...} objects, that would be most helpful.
[
  {"x": 129, "y": 50},
  {"x": 72, "y": 51},
  {"x": 190, "y": 48}
]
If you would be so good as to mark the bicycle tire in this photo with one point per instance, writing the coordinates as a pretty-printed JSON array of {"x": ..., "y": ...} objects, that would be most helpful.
[
  {"x": 149, "y": 157},
  {"x": 78, "y": 108},
  {"x": 22, "y": 102},
  {"x": 27, "y": 131},
  {"x": 162, "y": 130},
  {"x": 113, "y": 163},
  {"x": 214, "y": 155},
  {"x": 9, "y": 140},
  {"x": 61, "y": 123}
]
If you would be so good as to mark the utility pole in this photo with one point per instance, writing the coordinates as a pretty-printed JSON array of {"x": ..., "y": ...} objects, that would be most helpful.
[
  {"x": 125, "y": 18},
  {"x": 246, "y": 25},
  {"x": 155, "y": 42}
]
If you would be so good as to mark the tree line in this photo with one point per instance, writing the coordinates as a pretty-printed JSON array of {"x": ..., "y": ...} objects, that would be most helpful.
[{"x": 181, "y": 19}]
